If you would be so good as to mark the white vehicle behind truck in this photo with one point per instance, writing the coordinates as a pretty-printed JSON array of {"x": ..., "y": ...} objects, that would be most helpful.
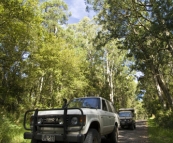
[{"x": 82, "y": 120}]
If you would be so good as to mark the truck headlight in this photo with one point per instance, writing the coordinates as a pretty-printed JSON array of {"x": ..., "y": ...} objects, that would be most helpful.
[
  {"x": 74, "y": 121},
  {"x": 61, "y": 121},
  {"x": 39, "y": 121},
  {"x": 129, "y": 120}
]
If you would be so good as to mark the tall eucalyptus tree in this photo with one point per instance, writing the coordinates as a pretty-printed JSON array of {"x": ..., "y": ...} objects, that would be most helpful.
[
  {"x": 45, "y": 57},
  {"x": 55, "y": 14},
  {"x": 19, "y": 23},
  {"x": 143, "y": 27},
  {"x": 107, "y": 72}
]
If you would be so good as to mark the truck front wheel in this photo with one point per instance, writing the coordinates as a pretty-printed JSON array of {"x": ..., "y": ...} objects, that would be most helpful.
[
  {"x": 132, "y": 127},
  {"x": 92, "y": 136},
  {"x": 113, "y": 137}
]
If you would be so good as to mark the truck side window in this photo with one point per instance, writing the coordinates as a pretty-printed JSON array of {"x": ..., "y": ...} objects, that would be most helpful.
[
  {"x": 113, "y": 109},
  {"x": 104, "y": 107},
  {"x": 109, "y": 107}
]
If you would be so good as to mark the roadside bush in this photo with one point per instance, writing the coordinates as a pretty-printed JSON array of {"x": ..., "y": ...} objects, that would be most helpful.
[
  {"x": 158, "y": 134},
  {"x": 10, "y": 130},
  {"x": 164, "y": 119}
]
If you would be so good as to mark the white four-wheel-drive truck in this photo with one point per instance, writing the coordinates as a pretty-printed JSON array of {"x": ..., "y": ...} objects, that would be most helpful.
[{"x": 82, "y": 120}]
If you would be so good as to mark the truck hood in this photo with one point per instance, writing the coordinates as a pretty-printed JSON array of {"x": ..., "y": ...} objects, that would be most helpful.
[{"x": 69, "y": 112}]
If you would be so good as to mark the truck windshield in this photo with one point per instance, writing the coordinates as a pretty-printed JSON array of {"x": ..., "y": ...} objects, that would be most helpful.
[
  {"x": 85, "y": 103},
  {"x": 125, "y": 114}
]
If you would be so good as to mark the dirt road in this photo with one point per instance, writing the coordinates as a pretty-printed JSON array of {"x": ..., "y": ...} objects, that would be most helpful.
[{"x": 139, "y": 135}]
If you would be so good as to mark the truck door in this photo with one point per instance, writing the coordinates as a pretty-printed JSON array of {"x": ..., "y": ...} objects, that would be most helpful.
[
  {"x": 104, "y": 117},
  {"x": 111, "y": 117}
]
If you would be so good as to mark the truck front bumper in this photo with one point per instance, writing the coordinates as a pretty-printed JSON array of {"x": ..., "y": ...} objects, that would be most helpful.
[
  {"x": 126, "y": 123},
  {"x": 58, "y": 137}
]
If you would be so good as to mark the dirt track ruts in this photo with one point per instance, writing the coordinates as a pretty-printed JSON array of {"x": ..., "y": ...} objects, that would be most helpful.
[{"x": 138, "y": 135}]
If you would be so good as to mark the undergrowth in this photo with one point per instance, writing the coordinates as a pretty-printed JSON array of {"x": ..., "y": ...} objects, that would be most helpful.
[
  {"x": 158, "y": 134},
  {"x": 10, "y": 130}
]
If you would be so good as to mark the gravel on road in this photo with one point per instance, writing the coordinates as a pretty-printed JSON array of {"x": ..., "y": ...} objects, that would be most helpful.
[{"x": 138, "y": 135}]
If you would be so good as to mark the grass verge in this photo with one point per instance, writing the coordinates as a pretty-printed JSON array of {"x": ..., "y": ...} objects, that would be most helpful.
[{"x": 158, "y": 134}]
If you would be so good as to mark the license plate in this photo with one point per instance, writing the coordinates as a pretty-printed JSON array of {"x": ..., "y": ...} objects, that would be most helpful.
[{"x": 48, "y": 138}]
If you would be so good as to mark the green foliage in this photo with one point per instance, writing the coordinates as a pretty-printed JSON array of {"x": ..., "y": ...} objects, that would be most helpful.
[
  {"x": 57, "y": 73},
  {"x": 41, "y": 62},
  {"x": 55, "y": 14},
  {"x": 158, "y": 134},
  {"x": 107, "y": 73},
  {"x": 10, "y": 130},
  {"x": 17, "y": 21},
  {"x": 141, "y": 113},
  {"x": 164, "y": 119},
  {"x": 144, "y": 29}
]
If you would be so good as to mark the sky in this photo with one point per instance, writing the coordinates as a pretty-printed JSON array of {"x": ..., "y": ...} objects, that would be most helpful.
[{"x": 78, "y": 10}]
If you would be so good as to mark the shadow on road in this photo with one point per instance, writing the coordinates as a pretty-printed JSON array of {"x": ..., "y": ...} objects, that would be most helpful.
[{"x": 138, "y": 135}]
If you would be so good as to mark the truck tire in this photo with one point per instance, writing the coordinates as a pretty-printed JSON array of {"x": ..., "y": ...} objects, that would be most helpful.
[
  {"x": 34, "y": 141},
  {"x": 92, "y": 136},
  {"x": 132, "y": 127},
  {"x": 113, "y": 137}
]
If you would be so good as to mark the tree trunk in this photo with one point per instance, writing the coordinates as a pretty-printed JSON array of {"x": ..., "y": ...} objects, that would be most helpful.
[
  {"x": 111, "y": 84},
  {"x": 110, "y": 79},
  {"x": 161, "y": 84},
  {"x": 160, "y": 93}
]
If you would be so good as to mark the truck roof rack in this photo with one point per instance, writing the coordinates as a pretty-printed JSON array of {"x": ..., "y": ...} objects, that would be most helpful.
[{"x": 127, "y": 109}]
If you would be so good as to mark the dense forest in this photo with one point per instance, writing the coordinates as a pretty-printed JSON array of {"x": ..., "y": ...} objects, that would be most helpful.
[{"x": 43, "y": 59}]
